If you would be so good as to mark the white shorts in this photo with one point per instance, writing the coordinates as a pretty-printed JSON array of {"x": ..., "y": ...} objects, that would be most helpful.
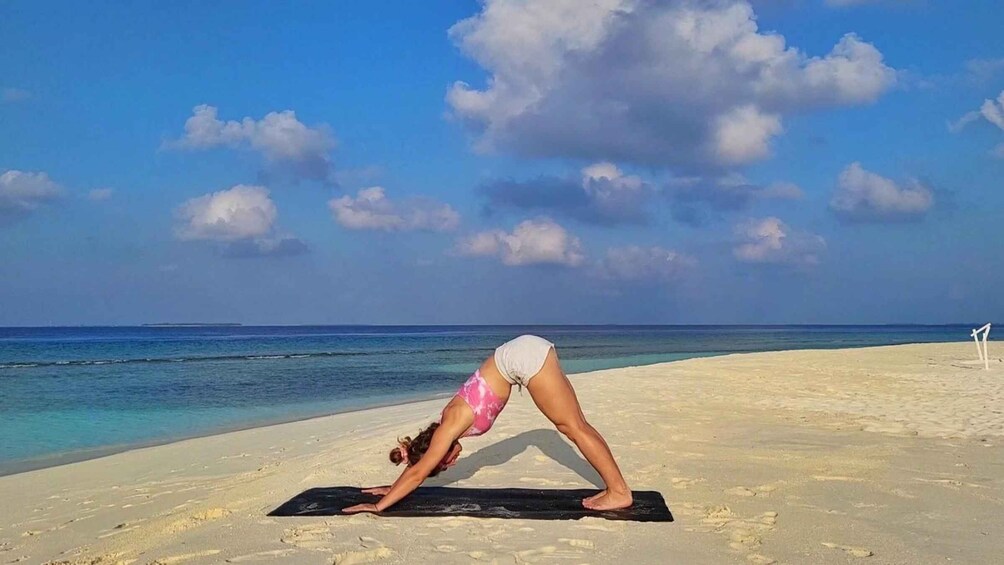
[{"x": 520, "y": 359}]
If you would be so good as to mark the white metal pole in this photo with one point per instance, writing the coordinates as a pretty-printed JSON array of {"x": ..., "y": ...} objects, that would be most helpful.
[
  {"x": 986, "y": 352},
  {"x": 979, "y": 350}
]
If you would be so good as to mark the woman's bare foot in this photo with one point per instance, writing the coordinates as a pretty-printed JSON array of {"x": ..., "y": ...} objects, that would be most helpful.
[
  {"x": 589, "y": 499},
  {"x": 608, "y": 500}
]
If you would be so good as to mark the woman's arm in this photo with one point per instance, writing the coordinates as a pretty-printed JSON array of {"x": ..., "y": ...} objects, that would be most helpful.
[{"x": 449, "y": 431}]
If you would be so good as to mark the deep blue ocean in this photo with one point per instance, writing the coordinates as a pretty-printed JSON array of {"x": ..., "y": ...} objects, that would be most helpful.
[{"x": 72, "y": 393}]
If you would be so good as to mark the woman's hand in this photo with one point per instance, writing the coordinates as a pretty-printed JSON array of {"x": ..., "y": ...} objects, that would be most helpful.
[
  {"x": 379, "y": 491},
  {"x": 361, "y": 508}
]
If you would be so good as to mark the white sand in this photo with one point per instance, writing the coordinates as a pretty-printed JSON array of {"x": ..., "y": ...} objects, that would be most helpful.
[{"x": 879, "y": 455}]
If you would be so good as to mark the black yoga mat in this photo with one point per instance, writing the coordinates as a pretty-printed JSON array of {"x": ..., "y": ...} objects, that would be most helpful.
[{"x": 531, "y": 504}]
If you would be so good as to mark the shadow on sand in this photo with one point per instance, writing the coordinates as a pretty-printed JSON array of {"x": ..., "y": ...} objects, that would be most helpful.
[
  {"x": 549, "y": 442},
  {"x": 433, "y": 500}
]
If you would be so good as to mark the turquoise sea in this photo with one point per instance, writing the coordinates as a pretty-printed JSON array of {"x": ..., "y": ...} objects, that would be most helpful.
[{"x": 73, "y": 393}]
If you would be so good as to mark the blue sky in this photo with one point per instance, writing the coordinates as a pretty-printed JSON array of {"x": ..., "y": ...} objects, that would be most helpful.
[{"x": 618, "y": 161}]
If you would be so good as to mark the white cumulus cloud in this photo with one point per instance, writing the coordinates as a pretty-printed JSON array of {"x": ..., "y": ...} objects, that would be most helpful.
[
  {"x": 662, "y": 83},
  {"x": 771, "y": 241},
  {"x": 372, "y": 210},
  {"x": 532, "y": 242},
  {"x": 23, "y": 192},
  {"x": 862, "y": 195},
  {"x": 243, "y": 217},
  {"x": 744, "y": 134},
  {"x": 280, "y": 137},
  {"x": 240, "y": 212}
]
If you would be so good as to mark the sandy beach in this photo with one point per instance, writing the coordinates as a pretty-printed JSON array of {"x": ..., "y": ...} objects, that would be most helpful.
[{"x": 877, "y": 455}]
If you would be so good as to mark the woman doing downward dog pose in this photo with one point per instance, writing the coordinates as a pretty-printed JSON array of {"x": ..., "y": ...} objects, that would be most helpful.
[{"x": 528, "y": 361}]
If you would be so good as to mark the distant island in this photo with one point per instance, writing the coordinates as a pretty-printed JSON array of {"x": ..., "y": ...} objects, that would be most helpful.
[{"x": 190, "y": 325}]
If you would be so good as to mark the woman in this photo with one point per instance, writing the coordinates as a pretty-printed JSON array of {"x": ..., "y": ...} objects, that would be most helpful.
[{"x": 528, "y": 361}]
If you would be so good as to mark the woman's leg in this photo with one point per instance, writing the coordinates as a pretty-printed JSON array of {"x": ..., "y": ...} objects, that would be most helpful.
[{"x": 553, "y": 394}]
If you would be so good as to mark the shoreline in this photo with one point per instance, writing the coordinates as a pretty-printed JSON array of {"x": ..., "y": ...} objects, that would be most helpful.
[
  {"x": 800, "y": 456},
  {"x": 88, "y": 454},
  {"x": 68, "y": 458}
]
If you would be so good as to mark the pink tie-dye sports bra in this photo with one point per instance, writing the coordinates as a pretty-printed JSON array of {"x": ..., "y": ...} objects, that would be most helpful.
[{"x": 483, "y": 401}]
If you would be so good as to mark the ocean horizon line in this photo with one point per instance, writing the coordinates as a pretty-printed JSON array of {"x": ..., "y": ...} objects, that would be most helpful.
[{"x": 194, "y": 325}]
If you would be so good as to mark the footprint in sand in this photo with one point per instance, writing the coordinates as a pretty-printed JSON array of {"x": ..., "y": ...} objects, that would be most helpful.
[
  {"x": 532, "y": 555},
  {"x": 718, "y": 515},
  {"x": 854, "y": 551},
  {"x": 684, "y": 482},
  {"x": 743, "y": 539},
  {"x": 446, "y": 548},
  {"x": 196, "y": 519},
  {"x": 261, "y": 556},
  {"x": 310, "y": 536},
  {"x": 758, "y": 559},
  {"x": 740, "y": 491},
  {"x": 366, "y": 556},
  {"x": 768, "y": 518},
  {"x": 580, "y": 543},
  {"x": 766, "y": 490}
]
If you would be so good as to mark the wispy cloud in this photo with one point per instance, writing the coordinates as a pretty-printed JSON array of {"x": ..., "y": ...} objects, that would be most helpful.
[
  {"x": 601, "y": 194},
  {"x": 692, "y": 197},
  {"x": 267, "y": 246},
  {"x": 991, "y": 110},
  {"x": 864, "y": 196},
  {"x": 644, "y": 264},
  {"x": 371, "y": 209},
  {"x": 99, "y": 194},
  {"x": 980, "y": 71},
  {"x": 771, "y": 241}
]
